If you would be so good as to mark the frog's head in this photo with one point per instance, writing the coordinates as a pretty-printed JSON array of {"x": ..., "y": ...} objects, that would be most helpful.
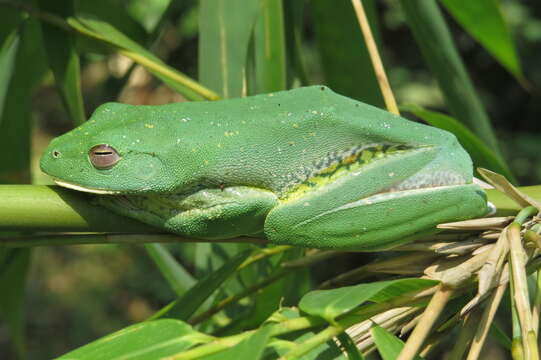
[{"x": 109, "y": 154}]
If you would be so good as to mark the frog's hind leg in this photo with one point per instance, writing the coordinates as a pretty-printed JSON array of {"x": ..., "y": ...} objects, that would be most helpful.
[
  {"x": 369, "y": 209},
  {"x": 207, "y": 214}
]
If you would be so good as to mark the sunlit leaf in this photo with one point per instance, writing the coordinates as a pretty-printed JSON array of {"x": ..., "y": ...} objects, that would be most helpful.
[
  {"x": 484, "y": 21},
  {"x": 105, "y": 32},
  {"x": 144, "y": 341},
  {"x": 332, "y": 303},
  {"x": 225, "y": 29},
  {"x": 269, "y": 48}
]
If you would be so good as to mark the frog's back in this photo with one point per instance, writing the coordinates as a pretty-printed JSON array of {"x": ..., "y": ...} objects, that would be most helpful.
[
  {"x": 273, "y": 141},
  {"x": 279, "y": 140}
]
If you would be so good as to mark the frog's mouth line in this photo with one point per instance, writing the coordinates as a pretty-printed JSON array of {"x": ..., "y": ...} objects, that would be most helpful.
[{"x": 85, "y": 189}]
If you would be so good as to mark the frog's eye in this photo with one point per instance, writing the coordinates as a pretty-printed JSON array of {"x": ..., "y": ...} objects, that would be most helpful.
[{"x": 103, "y": 156}]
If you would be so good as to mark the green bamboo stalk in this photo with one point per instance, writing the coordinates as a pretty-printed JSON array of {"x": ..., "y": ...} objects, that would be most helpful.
[{"x": 38, "y": 208}]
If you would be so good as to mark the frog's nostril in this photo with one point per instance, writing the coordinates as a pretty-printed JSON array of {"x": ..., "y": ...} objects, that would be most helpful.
[{"x": 56, "y": 154}]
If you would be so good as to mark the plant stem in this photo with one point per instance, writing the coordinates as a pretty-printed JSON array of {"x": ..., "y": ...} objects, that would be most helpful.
[
  {"x": 429, "y": 317},
  {"x": 383, "y": 82}
]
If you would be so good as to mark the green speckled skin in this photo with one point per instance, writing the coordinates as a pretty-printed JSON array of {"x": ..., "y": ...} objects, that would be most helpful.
[{"x": 306, "y": 167}]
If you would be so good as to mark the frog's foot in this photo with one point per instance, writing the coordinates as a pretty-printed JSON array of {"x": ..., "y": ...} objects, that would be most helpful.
[{"x": 207, "y": 214}]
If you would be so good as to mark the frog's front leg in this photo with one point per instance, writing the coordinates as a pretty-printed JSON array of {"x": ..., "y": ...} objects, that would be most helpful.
[
  {"x": 206, "y": 214},
  {"x": 377, "y": 206}
]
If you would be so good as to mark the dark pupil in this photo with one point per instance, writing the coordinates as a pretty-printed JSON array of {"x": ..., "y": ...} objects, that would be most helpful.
[{"x": 103, "y": 156}]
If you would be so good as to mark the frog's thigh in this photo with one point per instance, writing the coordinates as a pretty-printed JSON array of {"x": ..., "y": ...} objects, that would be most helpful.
[
  {"x": 206, "y": 214},
  {"x": 377, "y": 222}
]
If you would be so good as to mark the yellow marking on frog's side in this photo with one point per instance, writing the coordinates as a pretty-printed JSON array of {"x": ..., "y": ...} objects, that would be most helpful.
[{"x": 334, "y": 166}]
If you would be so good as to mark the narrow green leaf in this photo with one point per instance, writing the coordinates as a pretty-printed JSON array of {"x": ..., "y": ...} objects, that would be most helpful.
[
  {"x": 225, "y": 29},
  {"x": 272, "y": 297},
  {"x": 325, "y": 351},
  {"x": 330, "y": 304},
  {"x": 178, "y": 278},
  {"x": 253, "y": 347},
  {"x": 501, "y": 337},
  {"x": 114, "y": 13},
  {"x": 344, "y": 57},
  {"x": 27, "y": 67},
  {"x": 8, "y": 52},
  {"x": 105, "y": 32},
  {"x": 388, "y": 345},
  {"x": 434, "y": 39},
  {"x": 293, "y": 18},
  {"x": 13, "y": 270},
  {"x": 187, "y": 305},
  {"x": 269, "y": 47},
  {"x": 483, "y": 20},
  {"x": 144, "y": 341},
  {"x": 63, "y": 59},
  {"x": 347, "y": 343},
  {"x": 481, "y": 154}
]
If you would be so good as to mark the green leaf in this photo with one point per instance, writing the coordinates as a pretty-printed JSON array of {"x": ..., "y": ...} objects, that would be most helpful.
[
  {"x": 187, "y": 305},
  {"x": 225, "y": 29},
  {"x": 341, "y": 47},
  {"x": 347, "y": 343},
  {"x": 325, "y": 351},
  {"x": 481, "y": 154},
  {"x": 269, "y": 48},
  {"x": 108, "y": 34},
  {"x": 8, "y": 52},
  {"x": 483, "y": 20},
  {"x": 178, "y": 278},
  {"x": 27, "y": 67},
  {"x": 148, "y": 340},
  {"x": 253, "y": 347},
  {"x": 388, "y": 345},
  {"x": 329, "y": 304},
  {"x": 434, "y": 39},
  {"x": 14, "y": 265},
  {"x": 114, "y": 13},
  {"x": 293, "y": 19},
  {"x": 63, "y": 59},
  {"x": 501, "y": 337}
]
